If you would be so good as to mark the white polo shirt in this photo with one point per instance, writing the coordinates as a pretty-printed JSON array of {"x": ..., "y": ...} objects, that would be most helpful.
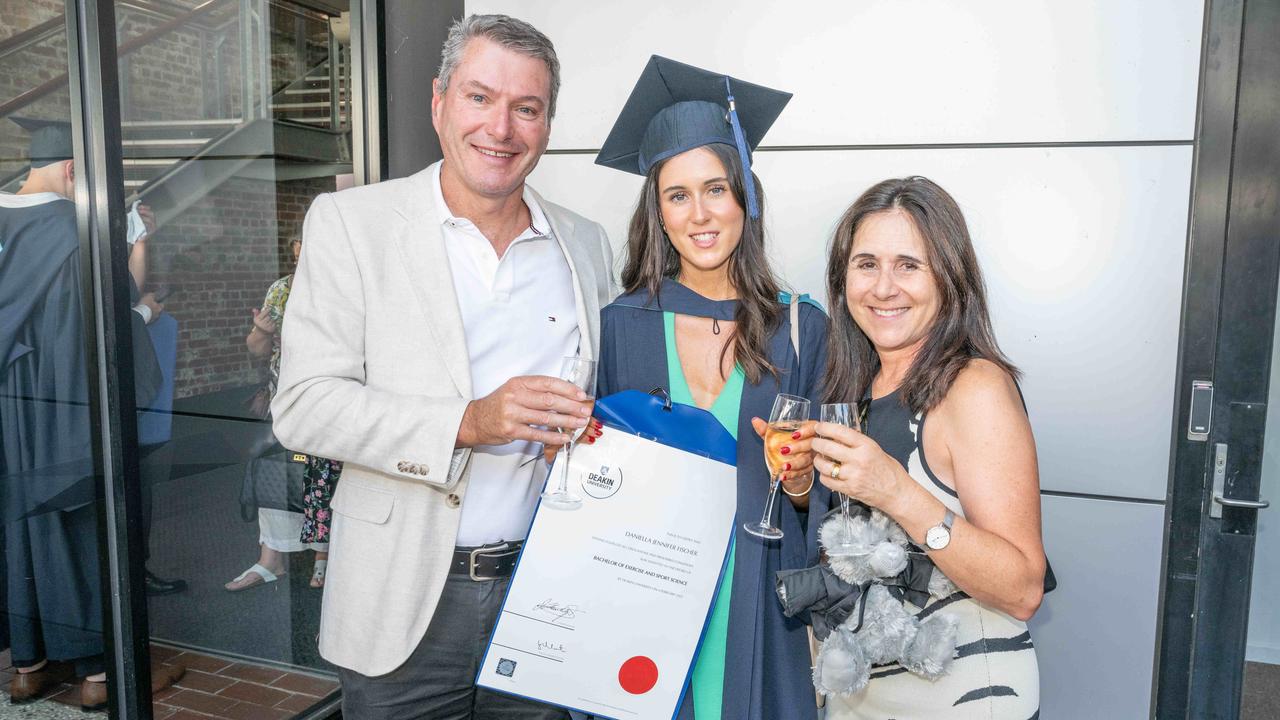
[{"x": 520, "y": 318}]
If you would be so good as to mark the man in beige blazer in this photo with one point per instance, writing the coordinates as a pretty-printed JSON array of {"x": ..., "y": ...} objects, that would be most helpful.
[{"x": 428, "y": 319}]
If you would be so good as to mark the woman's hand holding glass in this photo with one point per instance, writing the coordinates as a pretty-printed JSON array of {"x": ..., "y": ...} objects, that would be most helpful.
[
  {"x": 789, "y": 414},
  {"x": 852, "y": 463},
  {"x": 797, "y": 469}
]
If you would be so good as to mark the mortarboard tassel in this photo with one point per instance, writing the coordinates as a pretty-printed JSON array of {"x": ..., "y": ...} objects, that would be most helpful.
[{"x": 753, "y": 207}]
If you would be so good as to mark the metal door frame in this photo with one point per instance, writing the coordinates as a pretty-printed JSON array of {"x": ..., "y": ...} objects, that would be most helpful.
[{"x": 1229, "y": 305}]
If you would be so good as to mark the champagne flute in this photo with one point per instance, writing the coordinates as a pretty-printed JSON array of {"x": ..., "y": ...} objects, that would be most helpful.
[
  {"x": 842, "y": 414},
  {"x": 789, "y": 413},
  {"x": 582, "y": 373}
]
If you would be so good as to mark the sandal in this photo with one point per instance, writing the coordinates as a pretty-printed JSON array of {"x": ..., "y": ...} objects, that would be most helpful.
[
  {"x": 260, "y": 576},
  {"x": 317, "y": 573}
]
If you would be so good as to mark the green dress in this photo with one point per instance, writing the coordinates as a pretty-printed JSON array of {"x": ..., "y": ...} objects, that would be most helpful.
[{"x": 707, "y": 683}]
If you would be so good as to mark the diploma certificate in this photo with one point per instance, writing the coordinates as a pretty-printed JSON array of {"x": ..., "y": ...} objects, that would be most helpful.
[{"x": 608, "y": 603}]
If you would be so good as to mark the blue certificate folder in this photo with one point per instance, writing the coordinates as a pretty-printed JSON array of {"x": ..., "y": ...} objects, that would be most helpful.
[{"x": 654, "y": 417}]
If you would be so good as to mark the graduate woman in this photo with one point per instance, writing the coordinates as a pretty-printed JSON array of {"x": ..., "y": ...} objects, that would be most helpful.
[{"x": 703, "y": 319}]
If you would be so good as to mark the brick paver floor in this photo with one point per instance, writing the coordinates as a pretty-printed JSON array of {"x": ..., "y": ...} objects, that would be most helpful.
[{"x": 213, "y": 687}]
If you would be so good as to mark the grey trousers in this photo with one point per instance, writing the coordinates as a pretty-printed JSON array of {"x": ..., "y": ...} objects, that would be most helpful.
[{"x": 437, "y": 682}]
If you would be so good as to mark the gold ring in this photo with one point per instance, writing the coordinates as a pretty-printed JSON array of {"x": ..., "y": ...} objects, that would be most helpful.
[{"x": 835, "y": 471}]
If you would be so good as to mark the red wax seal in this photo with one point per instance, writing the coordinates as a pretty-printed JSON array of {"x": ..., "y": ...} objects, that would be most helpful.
[{"x": 638, "y": 675}]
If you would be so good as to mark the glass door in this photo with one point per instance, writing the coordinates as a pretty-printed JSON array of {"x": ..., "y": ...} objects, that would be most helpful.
[
  {"x": 235, "y": 115},
  {"x": 176, "y": 160}
]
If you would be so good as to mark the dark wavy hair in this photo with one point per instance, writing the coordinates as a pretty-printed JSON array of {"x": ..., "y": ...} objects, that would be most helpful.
[
  {"x": 962, "y": 330},
  {"x": 651, "y": 258}
]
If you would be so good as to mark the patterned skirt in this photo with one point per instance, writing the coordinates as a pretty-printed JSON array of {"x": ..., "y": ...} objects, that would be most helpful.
[
  {"x": 994, "y": 676},
  {"x": 319, "y": 478}
]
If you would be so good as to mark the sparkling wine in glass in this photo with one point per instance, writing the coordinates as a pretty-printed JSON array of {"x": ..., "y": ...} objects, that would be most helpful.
[
  {"x": 582, "y": 373},
  {"x": 789, "y": 413},
  {"x": 842, "y": 414}
]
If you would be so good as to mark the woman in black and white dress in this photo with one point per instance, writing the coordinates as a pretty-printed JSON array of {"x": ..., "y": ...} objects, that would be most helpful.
[{"x": 948, "y": 453}]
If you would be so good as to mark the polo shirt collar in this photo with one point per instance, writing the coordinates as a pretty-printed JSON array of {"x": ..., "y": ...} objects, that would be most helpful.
[{"x": 538, "y": 222}]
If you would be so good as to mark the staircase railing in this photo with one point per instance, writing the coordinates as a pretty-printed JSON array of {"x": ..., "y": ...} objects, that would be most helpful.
[
  {"x": 332, "y": 64},
  {"x": 31, "y": 36},
  {"x": 125, "y": 48},
  {"x": 55, "y": 25},
  {"x": 256, "y": 90},
  {"x": 260, "y": 98}
]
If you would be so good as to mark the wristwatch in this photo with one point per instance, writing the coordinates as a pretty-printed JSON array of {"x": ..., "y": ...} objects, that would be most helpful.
[{"x": 939, "y": 536}]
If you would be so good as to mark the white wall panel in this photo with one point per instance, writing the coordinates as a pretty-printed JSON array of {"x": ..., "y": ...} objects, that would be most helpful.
[
  {"x": 1095, "y": 635},
  {"x": 895, "y": 71},
  {"x": 1083, "y": 253}
]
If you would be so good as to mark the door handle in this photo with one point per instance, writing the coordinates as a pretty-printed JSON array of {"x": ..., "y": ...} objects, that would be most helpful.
[
  {"x": 1247, "y": 504},
  {"x": 1219, "y": 482}
]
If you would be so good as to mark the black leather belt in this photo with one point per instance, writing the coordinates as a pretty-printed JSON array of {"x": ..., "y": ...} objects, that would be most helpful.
[{"x": 487, "y": 562}]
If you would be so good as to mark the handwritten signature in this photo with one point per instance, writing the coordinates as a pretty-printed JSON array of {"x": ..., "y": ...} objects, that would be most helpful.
[
  {"x": 544, "y": 645},
  {"x": 557, "y": 611}
]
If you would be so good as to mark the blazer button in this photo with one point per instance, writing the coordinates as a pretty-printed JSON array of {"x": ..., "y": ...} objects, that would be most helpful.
[{"x": 453, "y": 501}]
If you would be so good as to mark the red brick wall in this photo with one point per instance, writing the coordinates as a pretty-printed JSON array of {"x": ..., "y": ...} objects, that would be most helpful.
[
  {"x": 165, "y": 79},
  {"x": 173, "y": 77},
  {"x": 27, "y": 69},
  {"x": 221, "y": 256}
]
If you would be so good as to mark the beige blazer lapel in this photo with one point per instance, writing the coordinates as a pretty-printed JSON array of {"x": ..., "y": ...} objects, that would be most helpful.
[
  {"x": 584, "y": 278},
  {"x": 421, "y": 246}
]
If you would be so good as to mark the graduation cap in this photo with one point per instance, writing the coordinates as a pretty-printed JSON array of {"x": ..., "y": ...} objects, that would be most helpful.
[
  {"x": 676, "y": 107},
  {"x": 50, "y": 140}
]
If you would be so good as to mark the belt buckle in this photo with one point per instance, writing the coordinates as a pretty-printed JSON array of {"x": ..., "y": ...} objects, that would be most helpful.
[{"x": 483, "y": 550}]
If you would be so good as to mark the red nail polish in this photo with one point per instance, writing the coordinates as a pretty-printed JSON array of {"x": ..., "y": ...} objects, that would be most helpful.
[
  {"x": 795, "y": 435},
  {"x": 786, "y": 450},
  {"x": 786, "y": 466},
  {"x": 590, "y": 440}
]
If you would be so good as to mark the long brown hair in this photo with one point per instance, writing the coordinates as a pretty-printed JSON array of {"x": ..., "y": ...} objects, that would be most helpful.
[
  {"x": 962, "y": 329},
  {"x": 651, "y": 258}
]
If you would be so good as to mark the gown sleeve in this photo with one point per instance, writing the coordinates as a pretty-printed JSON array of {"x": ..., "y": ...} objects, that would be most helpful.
[
  {"x": 607, "y": 380},
  {"x": 813, "y": 338},
  {"x": 814, "y": 325},
  {"x": 147, "y": 376}
]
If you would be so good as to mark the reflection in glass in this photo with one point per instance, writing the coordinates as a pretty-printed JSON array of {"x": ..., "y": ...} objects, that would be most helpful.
[
  {"x": 234, "y": 117},
  {"x": 50, "y": 586}
]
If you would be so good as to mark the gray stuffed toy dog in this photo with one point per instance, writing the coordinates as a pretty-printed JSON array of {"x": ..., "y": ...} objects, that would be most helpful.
[{"x": 881, "y": 631}]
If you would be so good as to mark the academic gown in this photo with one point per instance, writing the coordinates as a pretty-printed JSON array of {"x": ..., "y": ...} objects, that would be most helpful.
[
  {"x": 47, "y": 484},
  {"x": 767, "y": 672}
]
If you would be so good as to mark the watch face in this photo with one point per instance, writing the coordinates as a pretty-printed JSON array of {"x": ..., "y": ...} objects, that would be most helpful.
[{"x": 937, "y": 537}]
